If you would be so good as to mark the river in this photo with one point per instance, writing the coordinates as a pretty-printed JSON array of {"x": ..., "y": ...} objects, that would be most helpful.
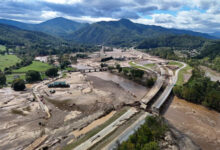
[
  {"x": 126, "y": 84},
  {"x": 199, "y": 123}
]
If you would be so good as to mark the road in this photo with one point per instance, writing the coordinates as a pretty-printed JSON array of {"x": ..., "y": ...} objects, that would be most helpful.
[
  {"x": 37, "y": 95},
  {"x": 107, "y": 130},
  {"x": 126, "y": 133},
  {"x": 157, "y": 86},
  {"x": 173, "y": 79}
]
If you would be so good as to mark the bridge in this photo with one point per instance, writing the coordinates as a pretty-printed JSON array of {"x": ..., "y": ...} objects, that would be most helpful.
[
  {"x": 88, "y": 70},
  {"x": 163, "y": 97}
]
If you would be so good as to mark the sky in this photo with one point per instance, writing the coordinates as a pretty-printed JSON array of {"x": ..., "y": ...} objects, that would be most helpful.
[{"x": 196, "y": 15}]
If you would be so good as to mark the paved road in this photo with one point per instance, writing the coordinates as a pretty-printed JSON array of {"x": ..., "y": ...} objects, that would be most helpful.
[
  {"x": 173, "y": 79},
  {"x": 126, "y": 133},
  {"x": 157, "y": 86},
  {"x": 107, "y": 130}
]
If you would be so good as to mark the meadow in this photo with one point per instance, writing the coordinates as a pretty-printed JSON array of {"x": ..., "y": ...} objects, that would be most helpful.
[
  {"x": 8, "y": 60},
  {"x": 36, "y": 65}
]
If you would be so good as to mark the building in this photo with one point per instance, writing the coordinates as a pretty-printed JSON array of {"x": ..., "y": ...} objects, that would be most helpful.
[{"x": 61, "y": 84}]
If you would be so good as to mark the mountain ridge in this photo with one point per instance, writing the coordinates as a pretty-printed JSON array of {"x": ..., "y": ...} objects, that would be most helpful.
[
  {"x": 59, "y": 26},
  {"x": 125, "y": 31}
]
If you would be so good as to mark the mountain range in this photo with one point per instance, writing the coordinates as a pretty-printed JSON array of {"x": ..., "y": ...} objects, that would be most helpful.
[
  {"x": 59, "y": 27},
  {"x": 11, "y": 35},
  {"x": 118, "y": 33}
]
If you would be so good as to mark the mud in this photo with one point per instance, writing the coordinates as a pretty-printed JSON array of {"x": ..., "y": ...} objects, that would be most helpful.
[
  {"x": 197, "y": 122},
  {"x": 213, "y": 75},
  {"x": 131, "y": 87}
]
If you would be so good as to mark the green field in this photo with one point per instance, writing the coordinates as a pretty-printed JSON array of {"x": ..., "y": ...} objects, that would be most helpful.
[
  {"x": 8, "y": 60},
  {"x": 36, "y": 65},
  {"x": 132, "y": 64},
  {"x": 11, "y": 78},
  {"x": 183, "y": 71},
  {"x": 175, "y": 63},
  {"x": 149, "y": 65},
  {"x": 2, "y": 48}
]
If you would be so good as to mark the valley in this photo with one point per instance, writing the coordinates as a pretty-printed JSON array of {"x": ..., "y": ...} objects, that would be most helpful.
[
  {"x": 96, "y": 104},
  {"x": 108, "y": 83}
]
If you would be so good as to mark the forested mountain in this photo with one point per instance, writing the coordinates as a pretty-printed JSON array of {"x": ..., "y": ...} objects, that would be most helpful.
[
  {"x": 117, "y": 33},
  {"x": 178, "y": 41},
  {"x": 125, "y": 32},
  {"x": 10, "y": 35},
  {"x": 57, "y": 27},
  {"x": 33, "y": 43},
  {"x": 210, "y": 49}
]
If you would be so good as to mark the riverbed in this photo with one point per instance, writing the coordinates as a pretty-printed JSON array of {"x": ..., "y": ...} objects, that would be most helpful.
[
  {"x": 126, "y": 84},
  {"x": 199, "y": 123}
]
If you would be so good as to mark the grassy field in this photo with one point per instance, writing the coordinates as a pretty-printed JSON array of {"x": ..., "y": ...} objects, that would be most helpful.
[
  {"x": 136, "y": 66},
  {"x": 96, "y": 130},
  {"x": 175, "y": 63},
  {"x": 2, "y": 48},
  {"x": 149, "y": 65},
  {"x": 185, "y": 70},
  {"x": 8, "y": 60},
  {"x": 36, "y": 65},
  {"x": 10, "y": 77}
]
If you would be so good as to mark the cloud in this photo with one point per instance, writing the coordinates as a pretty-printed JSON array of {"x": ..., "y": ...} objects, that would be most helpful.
[{"x": 197, "y": 15}]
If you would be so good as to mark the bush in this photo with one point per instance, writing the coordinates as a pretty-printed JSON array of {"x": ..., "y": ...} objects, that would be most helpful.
[
  {"x": 52, "y": 72},
  {"x": 150, "y": 82},
  {"x": 2, "y": 79},
  {"x": 32, "y": 76},
  {"x": 18, "y": 85}
]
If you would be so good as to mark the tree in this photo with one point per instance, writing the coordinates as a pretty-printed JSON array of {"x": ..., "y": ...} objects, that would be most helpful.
[
  {"x": 118, "y": 67},
  {"x": 137, "y": 73},
  {"x": 32, "y": 76},
  {"x": 73, "y": 59},
  {"x": 2, "y": 79},
  {"x": 18, "y": 85},
  {"x": 151, "y": 146},
  {"x": 52, "y": 72},
  {"x": 50, "y": 60},
  {"x": 150, "y": 82},
  {"x": 64, "y": 64},
  {"x": 125, "y": 71}
]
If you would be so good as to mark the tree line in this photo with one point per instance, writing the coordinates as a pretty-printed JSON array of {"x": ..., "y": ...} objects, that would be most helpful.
[
  {"x": 147, "y": 136},
  {"x": 200, "y": 90}
]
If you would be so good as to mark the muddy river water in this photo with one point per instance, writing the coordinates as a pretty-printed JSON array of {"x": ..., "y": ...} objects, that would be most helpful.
[
  {"x": 126, "y": 84},
  {"x": 199, "y": 123}
]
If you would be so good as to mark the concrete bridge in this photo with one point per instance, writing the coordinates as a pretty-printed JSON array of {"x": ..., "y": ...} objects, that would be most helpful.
[{"x": 92, "y": 70}]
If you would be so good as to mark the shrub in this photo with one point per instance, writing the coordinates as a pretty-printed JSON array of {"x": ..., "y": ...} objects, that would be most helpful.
[
  {"x": 32, "y": 76},
  {"x": 18, "y": 85},
  {"x": 52, "y": 72}
]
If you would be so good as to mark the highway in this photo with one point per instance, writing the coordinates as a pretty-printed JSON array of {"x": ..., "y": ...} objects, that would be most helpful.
[
  {"x": 130, "y": 130},
  {"x": 173, "y": 79},
  {"x": 107, "y": 130},
  {"x": 127, "y": 132},
  {"x": 157, "y": 86}
]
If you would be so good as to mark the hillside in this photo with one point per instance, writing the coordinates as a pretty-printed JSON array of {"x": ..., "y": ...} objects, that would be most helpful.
[
  {"x": 178, "y": 41},
  {"x": 56, "y": 27},
  {"x": 124, "y": 32},
  {"x": 10, "y": 35}
]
